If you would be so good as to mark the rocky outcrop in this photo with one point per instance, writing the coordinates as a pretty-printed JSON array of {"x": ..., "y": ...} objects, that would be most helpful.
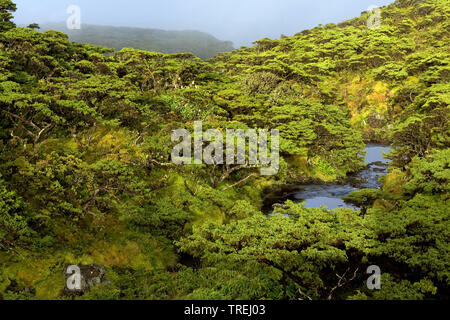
[
  {"x": 376, "y": 120},
  {"x": 82, "y": 278}
]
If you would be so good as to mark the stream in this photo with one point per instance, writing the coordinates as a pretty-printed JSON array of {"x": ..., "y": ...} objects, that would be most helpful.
[{"x": 329, "y": 194}]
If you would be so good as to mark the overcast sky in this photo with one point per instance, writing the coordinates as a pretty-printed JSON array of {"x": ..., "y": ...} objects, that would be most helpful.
[{"x": 240, "y": 21}]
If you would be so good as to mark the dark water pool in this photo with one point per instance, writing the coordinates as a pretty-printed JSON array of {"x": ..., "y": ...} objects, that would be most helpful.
[{"x": 329, "y": 195}]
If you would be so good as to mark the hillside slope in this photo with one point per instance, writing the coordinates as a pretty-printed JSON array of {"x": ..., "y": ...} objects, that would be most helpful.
[
  {"x": 374, "y": 75},
  {"x": 201, "y": 44}
]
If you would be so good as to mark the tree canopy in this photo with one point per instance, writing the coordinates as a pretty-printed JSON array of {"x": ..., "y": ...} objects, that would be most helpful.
[{"x": 86, "y": 174}]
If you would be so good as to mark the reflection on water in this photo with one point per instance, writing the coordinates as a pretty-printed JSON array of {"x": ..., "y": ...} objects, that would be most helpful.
[
  {"x": 329, "y": 202},
  {"x": 375, "y": 153},
  {"x": 329, "y": 195}
]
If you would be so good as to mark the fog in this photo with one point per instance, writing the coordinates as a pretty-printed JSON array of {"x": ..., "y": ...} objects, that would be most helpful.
[{"x": 240, "y": 21}]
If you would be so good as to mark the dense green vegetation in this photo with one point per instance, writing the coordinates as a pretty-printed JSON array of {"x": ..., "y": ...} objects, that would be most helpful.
[
  {"x": 201, "y": 44},
  {"x": 86, "y": 176}
]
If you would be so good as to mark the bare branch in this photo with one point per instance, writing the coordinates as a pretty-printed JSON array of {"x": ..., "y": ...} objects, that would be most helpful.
[
  {"x": 304, "y": 294},
  {"x": 239, "y": 182},
  {"x": 342, "y": 281}
]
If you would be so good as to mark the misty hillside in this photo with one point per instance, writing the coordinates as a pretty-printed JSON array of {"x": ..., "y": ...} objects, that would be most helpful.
[{"x": 201, "y": 44}]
